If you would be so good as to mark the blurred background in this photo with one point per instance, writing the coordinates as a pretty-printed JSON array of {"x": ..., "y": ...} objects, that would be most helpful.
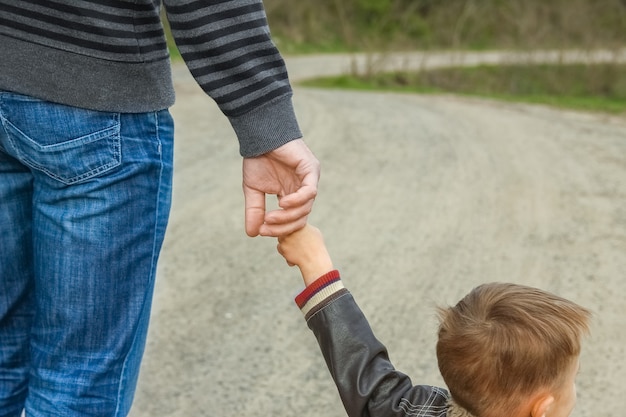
[
  {"x": 313, "y": 26},
  {"x": 386, "y": 26},
  {"x": 338, "y": 25}
]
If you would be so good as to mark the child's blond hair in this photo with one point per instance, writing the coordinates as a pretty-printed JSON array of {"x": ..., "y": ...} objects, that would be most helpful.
[{"x": 503, "y": 342}]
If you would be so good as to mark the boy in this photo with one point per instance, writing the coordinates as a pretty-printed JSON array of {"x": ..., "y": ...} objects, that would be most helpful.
[{"x": 504, "y": 350}]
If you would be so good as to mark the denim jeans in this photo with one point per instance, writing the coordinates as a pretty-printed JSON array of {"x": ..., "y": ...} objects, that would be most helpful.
[{"x": 84, "y": 202}]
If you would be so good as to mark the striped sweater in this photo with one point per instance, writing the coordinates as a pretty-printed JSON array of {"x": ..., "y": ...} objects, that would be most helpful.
[{"x": 111, "y": 55}]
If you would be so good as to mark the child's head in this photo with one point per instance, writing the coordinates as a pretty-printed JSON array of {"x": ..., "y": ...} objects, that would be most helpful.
[{"x": 508, "y": 350}]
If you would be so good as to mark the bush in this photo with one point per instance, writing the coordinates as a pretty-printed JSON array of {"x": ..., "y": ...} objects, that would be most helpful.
[{"x": 460, "y": 24}]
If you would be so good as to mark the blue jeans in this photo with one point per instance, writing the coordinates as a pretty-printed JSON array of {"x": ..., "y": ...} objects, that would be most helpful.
[{"x": 84, "y": 202}]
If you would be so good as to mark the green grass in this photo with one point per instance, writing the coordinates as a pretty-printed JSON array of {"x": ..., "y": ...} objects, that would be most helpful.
[
  {"x": 585, "y": 87},
  {"x": 288, "y": 46}
]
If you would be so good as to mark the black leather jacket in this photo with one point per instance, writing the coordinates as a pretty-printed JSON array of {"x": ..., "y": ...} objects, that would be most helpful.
[{"x": 368, "y": 383}]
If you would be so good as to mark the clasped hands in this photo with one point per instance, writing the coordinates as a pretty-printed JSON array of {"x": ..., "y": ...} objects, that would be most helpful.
[{"x": 291, "y": 172}]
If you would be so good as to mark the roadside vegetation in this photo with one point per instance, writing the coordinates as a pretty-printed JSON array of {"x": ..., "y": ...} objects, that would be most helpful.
[
  {"x": 350, "y": 25},
  {"x": 600, "y": 87},
  {"x": 313, "y": 26},
  {"x": 382, "y": 26}
]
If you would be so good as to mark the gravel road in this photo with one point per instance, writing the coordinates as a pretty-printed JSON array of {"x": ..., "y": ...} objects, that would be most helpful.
[{"x": 422, "y": 197}]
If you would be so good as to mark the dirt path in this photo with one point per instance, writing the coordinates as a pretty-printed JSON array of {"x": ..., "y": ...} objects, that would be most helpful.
[
  {"x": 303, "y": 67},
  {"x": 422, "y": 198}
]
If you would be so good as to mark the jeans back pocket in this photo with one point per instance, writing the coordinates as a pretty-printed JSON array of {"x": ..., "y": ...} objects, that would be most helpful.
[{"x": 67, "y": 143}]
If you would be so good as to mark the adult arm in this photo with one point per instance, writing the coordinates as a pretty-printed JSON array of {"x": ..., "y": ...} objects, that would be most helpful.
[{"x": 226, "y": 44}]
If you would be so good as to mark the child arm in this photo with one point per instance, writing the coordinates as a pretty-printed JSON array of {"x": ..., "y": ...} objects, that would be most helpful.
[
  {"x": 366, "y": 380},
  {"x": 306, "y": 249}
]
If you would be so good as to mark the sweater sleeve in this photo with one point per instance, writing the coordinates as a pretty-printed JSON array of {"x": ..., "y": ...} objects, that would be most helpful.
[
  {"x": 227, "y": 47},
  {"x": 368, "y": 383}
]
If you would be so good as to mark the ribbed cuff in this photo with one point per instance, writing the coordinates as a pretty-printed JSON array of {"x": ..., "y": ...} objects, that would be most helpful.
[
  {"x": 320, "y": 293},
  {"x": 264, "y": 129}
]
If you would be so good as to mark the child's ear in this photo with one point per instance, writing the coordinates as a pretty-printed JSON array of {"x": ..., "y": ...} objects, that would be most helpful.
[{"x": 541, "y": 405}]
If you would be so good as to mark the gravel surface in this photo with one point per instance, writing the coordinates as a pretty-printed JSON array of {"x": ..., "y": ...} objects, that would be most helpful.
[{"x": 421, "y": 198}]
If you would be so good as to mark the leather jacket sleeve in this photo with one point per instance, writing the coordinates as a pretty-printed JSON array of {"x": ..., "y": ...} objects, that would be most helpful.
[{"x": 368, "y": 383}]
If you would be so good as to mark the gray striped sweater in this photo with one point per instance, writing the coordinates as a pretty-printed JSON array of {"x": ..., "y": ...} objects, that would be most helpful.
[{"x": 111, "y": 55}]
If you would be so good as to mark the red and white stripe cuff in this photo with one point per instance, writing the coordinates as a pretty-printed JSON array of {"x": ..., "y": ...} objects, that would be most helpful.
[{"x": 320, "y": 290}]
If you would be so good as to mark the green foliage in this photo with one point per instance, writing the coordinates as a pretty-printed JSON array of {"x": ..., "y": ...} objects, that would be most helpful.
[
  {"x": 310, "y": 26},
  {"x": 458, "y": 24},
  {"x": 591, "y": 87}
]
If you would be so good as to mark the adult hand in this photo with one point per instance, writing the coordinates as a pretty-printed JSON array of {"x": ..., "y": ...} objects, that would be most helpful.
[{"x": 290, "y": 172}]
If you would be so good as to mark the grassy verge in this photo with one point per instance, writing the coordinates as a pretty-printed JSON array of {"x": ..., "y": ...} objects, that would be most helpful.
[
  {"x": 288, "y": 46},
  {"x": 599, "y": 87}
]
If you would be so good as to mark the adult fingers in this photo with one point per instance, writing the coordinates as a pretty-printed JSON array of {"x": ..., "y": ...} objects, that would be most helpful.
[
  {"x": 288, "y": 215},
  {"x": 282, "y": 229},
  {"x": 254, "y": 210},
  {"x": 302, "y": 196}
]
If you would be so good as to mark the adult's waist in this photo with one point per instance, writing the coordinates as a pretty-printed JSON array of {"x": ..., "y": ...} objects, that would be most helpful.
[{"x": 83, "y": 81}]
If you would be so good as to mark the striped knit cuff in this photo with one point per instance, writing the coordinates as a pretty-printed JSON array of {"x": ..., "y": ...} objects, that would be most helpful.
[
  {"x": 267, "y": 128},
  {"x": 321, "y": 292}
]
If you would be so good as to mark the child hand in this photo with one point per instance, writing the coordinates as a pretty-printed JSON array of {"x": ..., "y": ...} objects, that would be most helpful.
[{"x": 306, "y": 249}]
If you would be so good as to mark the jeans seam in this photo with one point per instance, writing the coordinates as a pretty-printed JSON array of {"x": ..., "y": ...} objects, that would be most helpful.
[{"x": 123, "y": 376}]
